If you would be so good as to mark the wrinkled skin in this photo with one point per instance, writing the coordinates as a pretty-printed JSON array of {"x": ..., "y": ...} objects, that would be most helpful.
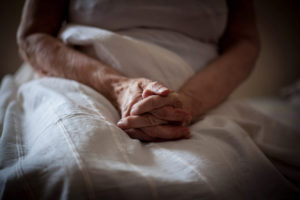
[{"x": 149, "y": 111}]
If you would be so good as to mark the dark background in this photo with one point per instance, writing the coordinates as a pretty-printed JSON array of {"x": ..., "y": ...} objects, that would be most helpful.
[{"x": 278, "y": 64}]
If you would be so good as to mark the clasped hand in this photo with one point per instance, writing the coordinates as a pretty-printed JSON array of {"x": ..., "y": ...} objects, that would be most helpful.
[{"x": 151, "y": 112}]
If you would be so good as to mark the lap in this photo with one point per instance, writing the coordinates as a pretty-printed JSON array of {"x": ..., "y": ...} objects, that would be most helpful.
[{"x": 60, "y": 137}]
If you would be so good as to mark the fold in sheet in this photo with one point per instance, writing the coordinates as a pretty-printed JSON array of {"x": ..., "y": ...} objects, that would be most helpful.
[
  {"x": 59, "y": 139},
  {"x": 129, "y": 56}
]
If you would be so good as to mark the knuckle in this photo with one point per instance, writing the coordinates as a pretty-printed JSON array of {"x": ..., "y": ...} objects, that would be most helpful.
[
  {"x": 166, "y": 113},
  {"x": 139, "y": 84},
  {"x": 168, "y": 109},
  {"x": 151, "y": 101},
  {"x": 177, "y": 102},
  {"x": 179, "y": 114},
  {"x": 160, "y": 112},
  {"x": 163, "y": 113},
  {"x": 129, "y": 121},
  {"x": 152, "y": 120}
]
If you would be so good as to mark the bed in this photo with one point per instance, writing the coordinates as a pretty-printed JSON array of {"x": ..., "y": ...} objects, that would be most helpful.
[{"x": 59, "y": 138}]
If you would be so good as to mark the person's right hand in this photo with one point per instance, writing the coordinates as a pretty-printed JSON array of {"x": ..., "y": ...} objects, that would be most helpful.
[{"x": 129, "y": 91}]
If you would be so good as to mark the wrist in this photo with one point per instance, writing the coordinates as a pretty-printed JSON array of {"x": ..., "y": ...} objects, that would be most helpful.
[
  {"x": 108, "y": 82},
  {"x": 192, "y": 104}
]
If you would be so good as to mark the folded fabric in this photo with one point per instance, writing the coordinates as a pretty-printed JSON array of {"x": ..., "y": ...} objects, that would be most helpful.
[
  {"x": 59, "y": 139},
  {"x": 131, "y": 57}
]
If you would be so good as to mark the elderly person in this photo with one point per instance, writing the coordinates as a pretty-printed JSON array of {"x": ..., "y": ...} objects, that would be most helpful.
[
  {"x": 61, "y": 139},
  {"x": 149, "y": 110}
]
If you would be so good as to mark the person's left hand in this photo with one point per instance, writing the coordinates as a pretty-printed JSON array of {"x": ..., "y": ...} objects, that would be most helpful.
[{"x": 157, "y": 118}]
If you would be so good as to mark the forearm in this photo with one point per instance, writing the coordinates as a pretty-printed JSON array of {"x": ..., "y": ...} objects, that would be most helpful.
[
  {"x": 51, "y": 57},
  {"x": 239, "y": 49},
  {"x": 214, "y": 83}
]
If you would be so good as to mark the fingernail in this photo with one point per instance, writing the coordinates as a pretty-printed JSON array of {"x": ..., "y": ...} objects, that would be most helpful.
[
  {"x": 120, "y": 123},
  {"x": 163, "y": 91}
]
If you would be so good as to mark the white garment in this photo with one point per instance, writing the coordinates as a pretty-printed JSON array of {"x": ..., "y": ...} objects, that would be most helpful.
[
  {"x": 204, "y": 20},
  {"x": 189, "y": 28}
]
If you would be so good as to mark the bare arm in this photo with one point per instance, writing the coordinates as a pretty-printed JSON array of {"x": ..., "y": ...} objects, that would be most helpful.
[
  {"x": 38, "y": 45},
  {"x": 239, "y": 50}
]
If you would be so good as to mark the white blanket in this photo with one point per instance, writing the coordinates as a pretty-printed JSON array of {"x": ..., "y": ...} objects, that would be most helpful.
[{"x": 59, "y": 138}]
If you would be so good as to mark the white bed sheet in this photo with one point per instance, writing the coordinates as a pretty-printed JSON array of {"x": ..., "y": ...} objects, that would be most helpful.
[{"x": 59, "y": 139}]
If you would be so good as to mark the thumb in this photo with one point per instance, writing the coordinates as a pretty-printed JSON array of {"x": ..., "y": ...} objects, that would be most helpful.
[{"x": 155, "y": 88}]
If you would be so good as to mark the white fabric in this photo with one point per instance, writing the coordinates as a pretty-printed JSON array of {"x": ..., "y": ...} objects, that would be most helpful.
[
  {"x": 59, "y": 139},
  {"x": 204, "y": 20},
  {"x": 186, "y": 47},
  {"x": 116, "y": 50}
]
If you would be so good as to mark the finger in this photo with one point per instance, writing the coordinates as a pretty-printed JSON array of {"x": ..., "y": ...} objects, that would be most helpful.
[
  {"x": 153, "y": 102},
  {"x": 155, "y": 88},
  {"x": 167, "y": 132},
  {"x": 140, "y": 135},
  {"x": 138, "y": 121},
  {"x": 127, "y": 108},
  {"x": 169, "y": 113},
  {"x": 130, "y": 99}
]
